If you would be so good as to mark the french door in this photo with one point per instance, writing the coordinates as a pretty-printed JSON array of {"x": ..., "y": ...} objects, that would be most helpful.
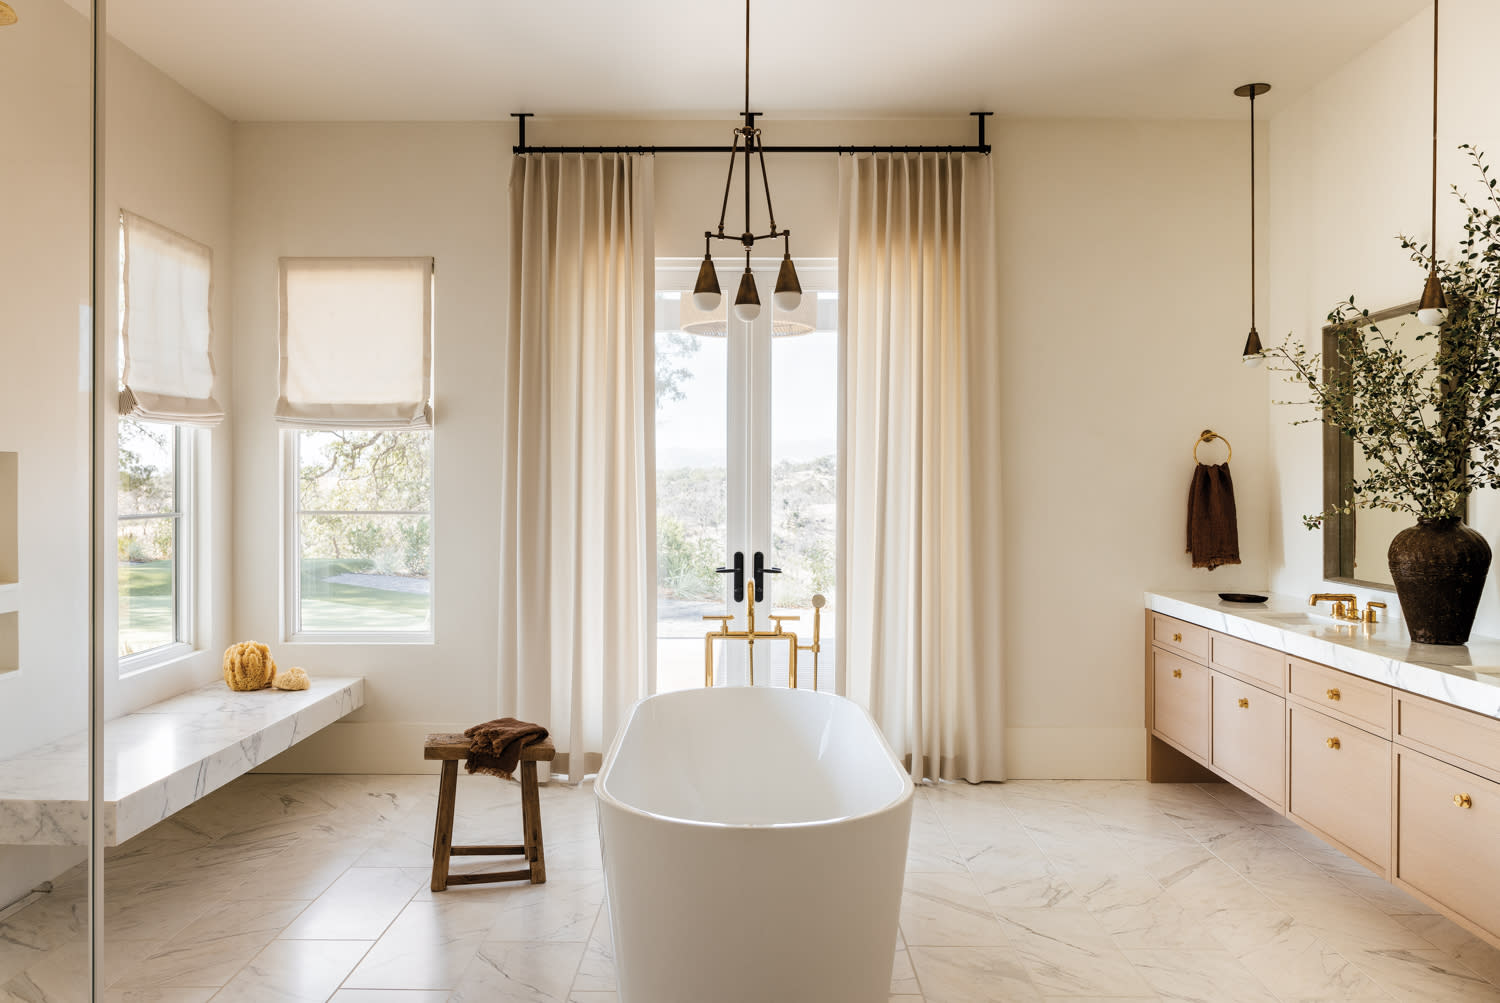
[{"x": 746, "y": 464}]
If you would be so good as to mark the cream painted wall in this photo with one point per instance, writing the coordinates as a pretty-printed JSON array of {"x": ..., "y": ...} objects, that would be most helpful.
[
  {"x": 1350, "y": 169},
  {"x": 1123, "y": 298},
  {"x": 1108, "y": 382}
]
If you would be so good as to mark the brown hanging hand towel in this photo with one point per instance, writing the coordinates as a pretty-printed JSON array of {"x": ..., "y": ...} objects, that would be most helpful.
[
  {"x": 1213, "y": 536},
  {"x": 495, "y": 746}
]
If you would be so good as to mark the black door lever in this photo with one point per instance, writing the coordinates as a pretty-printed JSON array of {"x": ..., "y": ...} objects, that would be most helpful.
[
  {"x": 738, "y": 570},
  {"x": 760, "y": 576}
]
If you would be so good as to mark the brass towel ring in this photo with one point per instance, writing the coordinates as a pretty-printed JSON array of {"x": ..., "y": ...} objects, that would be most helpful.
[{"x": 1208, "y": 436}]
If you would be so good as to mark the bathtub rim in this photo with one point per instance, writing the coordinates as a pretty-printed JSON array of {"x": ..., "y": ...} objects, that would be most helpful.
[{"x": 602, "y": 793}]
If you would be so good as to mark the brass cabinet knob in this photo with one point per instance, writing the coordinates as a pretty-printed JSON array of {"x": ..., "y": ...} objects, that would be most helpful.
[
  {"x": 1463, "y": 801},
  {"x": 1176, "y": 673},
  {"x": 1244, "y": 702},
  {"x": 1334, "y": 693},
  {"x": 1333, "y": 743},
  {"x": 1177, "y": 638}
]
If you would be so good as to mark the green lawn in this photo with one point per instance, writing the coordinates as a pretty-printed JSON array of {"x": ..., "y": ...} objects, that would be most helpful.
[
  {"x": 336, "y": 606},
  {"x": 145, "y": 605}
]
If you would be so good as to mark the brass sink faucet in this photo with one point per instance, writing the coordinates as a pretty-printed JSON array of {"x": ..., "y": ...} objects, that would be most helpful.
[{"x": 1346, "y": 606}]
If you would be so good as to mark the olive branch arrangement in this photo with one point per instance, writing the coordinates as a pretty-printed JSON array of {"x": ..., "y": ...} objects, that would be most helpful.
[{"x": 1426, "y": 425}]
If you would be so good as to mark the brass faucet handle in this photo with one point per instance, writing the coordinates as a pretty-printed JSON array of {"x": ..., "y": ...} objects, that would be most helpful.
[
  {"x": 778, "y": 617},
  {"x": 722, "y": 619},
  {"x": 1370, "y": 607}
]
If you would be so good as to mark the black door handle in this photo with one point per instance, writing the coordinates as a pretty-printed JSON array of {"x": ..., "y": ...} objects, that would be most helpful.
[
  {"x": 738, "y": 570},
  {"x": 760, "y": 576}
]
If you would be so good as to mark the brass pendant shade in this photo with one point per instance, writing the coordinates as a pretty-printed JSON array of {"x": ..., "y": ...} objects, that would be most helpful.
[
  {"x": 788, "y": 290},
  {"x": 747, "y": 298},
  {"x": 1254, "y": 354},
  {"x": 706, "y": 290}
]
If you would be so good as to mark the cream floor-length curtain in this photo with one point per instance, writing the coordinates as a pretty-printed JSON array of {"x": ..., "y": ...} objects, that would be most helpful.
[
  {"x": 919, "y": 502},
  {"x": 578, "y": 554}
]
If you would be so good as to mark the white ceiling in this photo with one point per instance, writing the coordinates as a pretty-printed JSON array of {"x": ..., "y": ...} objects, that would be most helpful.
[{"x": 482, "y": 59}]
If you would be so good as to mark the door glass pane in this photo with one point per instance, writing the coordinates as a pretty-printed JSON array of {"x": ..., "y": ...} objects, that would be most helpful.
[
  {"x": 691, "y": 492},
  {"x": 804, "y": 479}
]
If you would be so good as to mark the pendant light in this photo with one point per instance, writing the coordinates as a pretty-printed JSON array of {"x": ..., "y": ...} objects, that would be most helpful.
[
  {"x": 1433, "y": 306},
  {"x": 706, "y": 292},
  {"x": 1253, "y": 354}
]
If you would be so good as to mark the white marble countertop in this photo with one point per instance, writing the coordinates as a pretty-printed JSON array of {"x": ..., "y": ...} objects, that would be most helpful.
[
  {"x": 161, "y": 758},
  {"x": 1464, "y": 675}
]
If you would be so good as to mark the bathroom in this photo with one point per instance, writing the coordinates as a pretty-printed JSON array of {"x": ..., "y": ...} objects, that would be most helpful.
[{"x": 1004, "y": 662}]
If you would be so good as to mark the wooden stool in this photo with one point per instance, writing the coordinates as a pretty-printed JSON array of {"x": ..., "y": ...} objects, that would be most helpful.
[{"x": 450, "y": 749}]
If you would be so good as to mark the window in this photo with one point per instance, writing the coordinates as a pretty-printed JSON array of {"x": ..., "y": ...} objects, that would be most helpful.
[
  {"x": 361, "y": 532},
  {"x": 152, "y": 539}
]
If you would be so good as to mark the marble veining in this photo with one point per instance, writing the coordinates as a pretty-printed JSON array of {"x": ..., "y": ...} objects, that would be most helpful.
[
  {"x": 161, "y": 759},
  {"x": 1465, "y": 675}
]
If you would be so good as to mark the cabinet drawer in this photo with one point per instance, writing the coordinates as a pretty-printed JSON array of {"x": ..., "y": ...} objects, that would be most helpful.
[
  {"x": 1341, "y": 783},
  {"x": 1364, "y": 701},
  {"x": 1249, "y": 661},
  {"x": 1179, "y": 635},
  {"x": 1460, "y": 733},
  {"x": 1249, "y": 736},
  {"x": 1446, "y": 850},
  {"x": 1179, "y": 706}
]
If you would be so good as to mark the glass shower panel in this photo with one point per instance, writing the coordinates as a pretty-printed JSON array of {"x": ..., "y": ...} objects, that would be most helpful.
[{"x": 46, "y": 119}]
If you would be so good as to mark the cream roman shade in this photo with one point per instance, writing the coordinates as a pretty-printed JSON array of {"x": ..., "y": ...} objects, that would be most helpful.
[
  {"x": 166, "y": 330},
  {"x": 356, "y": 343}
]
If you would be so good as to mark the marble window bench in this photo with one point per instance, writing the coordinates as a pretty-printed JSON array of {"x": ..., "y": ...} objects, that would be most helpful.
[{"x": 161, "y": 759}]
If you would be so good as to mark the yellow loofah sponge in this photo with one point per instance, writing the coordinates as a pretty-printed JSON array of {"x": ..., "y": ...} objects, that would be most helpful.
[
  {"x": 249, "y": 666},
  {"x": 292, "y": 679}
]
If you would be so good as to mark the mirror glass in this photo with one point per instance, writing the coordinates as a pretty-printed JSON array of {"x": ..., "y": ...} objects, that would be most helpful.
[{"x": 1355, "y": 545}]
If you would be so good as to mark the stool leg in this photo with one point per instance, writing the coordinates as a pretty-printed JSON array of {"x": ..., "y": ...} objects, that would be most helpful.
[
  {"x": 531, "y": 821},
  {"x": 442, "y": 839}
]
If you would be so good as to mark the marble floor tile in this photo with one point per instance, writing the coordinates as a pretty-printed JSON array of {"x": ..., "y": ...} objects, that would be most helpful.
[
  {"x": 947, "y": 910},
  {"x": 596, "y": 972},
  {"x": 1138, "y": 913},
  {"x": 1458, "y": 943},
  {"x": 214, "y": 948},
  {"x": 294, "y": 970},
  {"x": 389, "y": 996},
  {"x": 158, "y": 995},
  {"x": 1423, "y": 976},
  {"x": 1199, "y": 977},
  {"x": 429, "y": 946},
  {"x": 520, "y": 972},
  {"x": 1290, "y": 959},
  {"x": 565, "y": 908},
  {"x": 1067, "y": 953},
  {"x": 972, "y": 975},
  {"x": 1030, "y": 882},
  {"x": 359, "y": 905},
  {"x": 903, "y": 975}
]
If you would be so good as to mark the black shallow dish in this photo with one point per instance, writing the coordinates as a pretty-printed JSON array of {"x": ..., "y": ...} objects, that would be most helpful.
[{"x": 1241, "y": 597}]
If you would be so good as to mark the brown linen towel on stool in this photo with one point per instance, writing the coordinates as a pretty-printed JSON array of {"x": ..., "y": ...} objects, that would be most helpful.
[
  {"x": 495, "y": 746},
  {"x": 1213, "y": 536}
]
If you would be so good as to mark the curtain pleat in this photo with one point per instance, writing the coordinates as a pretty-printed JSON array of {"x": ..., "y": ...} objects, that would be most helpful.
[
  {"x": 578, "y": 526},
  {"x": 919, "y": 480}
]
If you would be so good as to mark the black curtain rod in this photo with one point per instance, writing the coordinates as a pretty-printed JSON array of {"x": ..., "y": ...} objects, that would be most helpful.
[{"x": 522, "y": 147}]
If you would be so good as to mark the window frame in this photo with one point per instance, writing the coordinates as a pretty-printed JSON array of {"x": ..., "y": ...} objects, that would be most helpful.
[
  {"x": 184, "y": 532},
  {"x": 291, "y": 535}
]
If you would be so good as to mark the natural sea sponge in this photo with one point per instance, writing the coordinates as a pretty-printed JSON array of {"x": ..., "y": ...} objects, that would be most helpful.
[
  {"x": 292, "y": 679},
  {"x": 249, "y": 666}
]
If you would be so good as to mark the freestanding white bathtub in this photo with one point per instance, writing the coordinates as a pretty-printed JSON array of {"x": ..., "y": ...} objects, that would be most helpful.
[{"x": 754, "y": 847}]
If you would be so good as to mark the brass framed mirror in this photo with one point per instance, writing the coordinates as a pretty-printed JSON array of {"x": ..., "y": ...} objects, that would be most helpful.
[{"x": 1355, "y": 544}]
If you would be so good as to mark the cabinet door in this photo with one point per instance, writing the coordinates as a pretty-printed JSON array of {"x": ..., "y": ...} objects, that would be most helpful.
[
  {"x": 1447, "y": 831},
  {"x": 1179, "y": 709},
  {"x": 1341, "y": 784},
  {"x": 1249, "y": 736}
]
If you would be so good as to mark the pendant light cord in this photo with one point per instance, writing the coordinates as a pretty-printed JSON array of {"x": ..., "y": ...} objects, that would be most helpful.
[
  {"x": 1252, "y": 208},
  {"x": 747, "y": 57},
  {"x": 1434, "y": 130}
]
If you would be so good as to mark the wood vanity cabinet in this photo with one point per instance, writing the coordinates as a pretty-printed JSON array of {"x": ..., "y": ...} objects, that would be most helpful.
[{"x": 1406, "y": 785}]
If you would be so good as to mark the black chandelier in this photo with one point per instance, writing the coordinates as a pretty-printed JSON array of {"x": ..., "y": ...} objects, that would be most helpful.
[{"x": 706, "y": 293}]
